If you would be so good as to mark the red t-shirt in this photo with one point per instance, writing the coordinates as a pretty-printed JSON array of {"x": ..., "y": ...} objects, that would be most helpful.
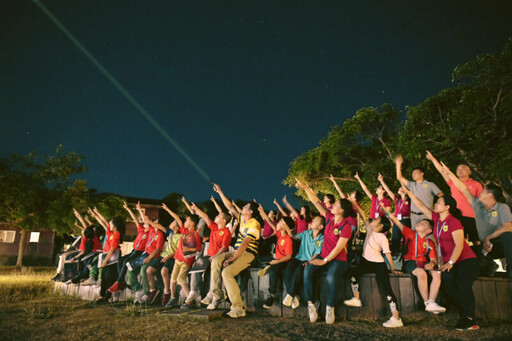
[
  {"x": 96, "y": 244},
  {"x": 179, "y": 252},
  {"x": 474, "y": 187},
  {"x": 83, "y": 241},
  {"x": 418, "y": 247},
  {"x": 140, "y": 241},
  {"x": 218, "y": 238},
  {"x": 443, "y": 235},
  {"x": 284, "y": 245},
  {"x": 301, "y": 224},
  {"x": 155, "y": 240},
  {"x": 183, "y": 230},
  {"x": 376, "y": 209},
  {"x": 113, "y": 239},
  {"x": 402, "y": 207},
  {"x": 332, "y": 233}
]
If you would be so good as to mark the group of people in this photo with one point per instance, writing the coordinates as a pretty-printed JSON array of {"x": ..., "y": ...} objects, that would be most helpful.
[{"x": 448, "y": 240}]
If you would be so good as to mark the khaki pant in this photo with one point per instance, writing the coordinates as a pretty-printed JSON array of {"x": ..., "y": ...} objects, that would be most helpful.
[
  {"x": 228, "y": 276},
  {"x": 180, "y": 273}
]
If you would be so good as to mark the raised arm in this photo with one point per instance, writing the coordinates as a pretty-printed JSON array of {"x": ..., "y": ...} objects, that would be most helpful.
[
  {"x": 283, "y": 212},
  {"x": 391, "y": 217},
  {"x": 151, "y": 223},
  {"x": 80, "y": 219},
  {"x": 229, "y": 205},
  {"x": 358, "y": 209},
  {"x": 187, "y": 205},
  {"x": 398, "y": 163},
  {"x": 293, "y": 212},
  {"x": 363, "y": 186},
  {"x": 386, "y": 188},
  {"x": 87, "y": 220},
  {"x": 174, "y": 215},
  {"x": 100, "y": 218},
  {"x": 130, "y": 212},
  {"x": 340, "y": 192},
  {"x": 438, "y": 166},
  {"x": 419, "y": 204},
  {"x": 201, "y": 213},
  {"x": 217, "y": 206},
  {"x": 237, "y": 208},
  {"x": 459, "y": 184},
  {"x": 266, "y": 218},
  {"x": 311, "y": 196}
]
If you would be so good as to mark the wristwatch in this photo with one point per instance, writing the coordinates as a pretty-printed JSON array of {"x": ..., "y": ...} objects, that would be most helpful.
[
  {"x": 326, "y": 260},
  {"x": 451, "y": 262}
]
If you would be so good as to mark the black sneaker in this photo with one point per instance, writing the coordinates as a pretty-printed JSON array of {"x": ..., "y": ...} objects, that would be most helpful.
[
  {"x": 57, "y": 278},
  {"x": 269, "y": 302},
  {"x": 466, "y": 323}
]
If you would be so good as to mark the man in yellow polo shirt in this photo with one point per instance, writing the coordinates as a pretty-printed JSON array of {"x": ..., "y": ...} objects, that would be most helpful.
[{"x": 231, "y": 263}]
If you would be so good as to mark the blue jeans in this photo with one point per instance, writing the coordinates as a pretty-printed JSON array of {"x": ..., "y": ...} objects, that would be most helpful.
[{"x": 336, "y": 270}]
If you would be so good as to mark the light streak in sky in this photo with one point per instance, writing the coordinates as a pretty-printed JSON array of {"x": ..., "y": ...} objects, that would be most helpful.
[{"x": 121, "y": 89}]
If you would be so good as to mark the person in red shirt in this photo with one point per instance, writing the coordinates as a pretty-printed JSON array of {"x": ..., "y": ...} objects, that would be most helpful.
[
  {"x": 220, "y": 238},
  {"x": 284, "y": 252},
  {"x": 114, "y": 232},
  {"x": 184, "y": 258},
  {"x": 375, "y": 211},
  {"x": 139, "y": 246},
  {"x": 88, "y": 245},
  {"x": 460, "y": 266},
  {"x": 154, "y": 245},
  {"x": 301, "y": 219},
  {"x": 419, "y": 247}
]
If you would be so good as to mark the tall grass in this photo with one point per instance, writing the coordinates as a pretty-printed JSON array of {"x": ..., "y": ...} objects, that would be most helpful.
[{"x": 28, "y": 284}]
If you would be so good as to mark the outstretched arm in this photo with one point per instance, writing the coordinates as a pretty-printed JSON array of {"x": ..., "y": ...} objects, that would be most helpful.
[
  {"x": 438, "y": 166},
  {"x": 174, "y": 215},
  {"x": 80, "y": 219},
  {"x": 217, "y": 206},
  {"x": 459, "y": 184},
  {"x": 426, "y": 211},
  {"x": 237, "y": 208},
  {"x": 134, "y": 217},
  {"x": 398, "y": 163},
  {"x": 229, "y": 205},
  {"x": 363, "y": 186},
  {"x": 311, "y": 196},
  {"x": 100, "y": 218},
  {"x": 283, "y": 212},
  {"x": 340, "y": 192},
  {"x": 266, "y": 218},
  {"x": 386, "y": 188},
  {"x": 201, "y": 214},
  {"x": 293, "y": 212},
  {"x": 187, "y": 205},
  {"x": 391, "y": 217},
  {"x": 358, "y": 209}
]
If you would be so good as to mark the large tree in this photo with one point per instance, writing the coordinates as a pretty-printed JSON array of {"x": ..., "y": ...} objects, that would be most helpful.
[{"x": 38, "y": 191}]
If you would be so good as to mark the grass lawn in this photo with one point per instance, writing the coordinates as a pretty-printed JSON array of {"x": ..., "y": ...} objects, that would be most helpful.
[{"x": 32, "y": 312}]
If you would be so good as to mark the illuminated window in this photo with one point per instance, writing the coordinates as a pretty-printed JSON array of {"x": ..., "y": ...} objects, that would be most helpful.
[
  {"x": 7, "y": 236},
  {"x": 34, "y": 237}
]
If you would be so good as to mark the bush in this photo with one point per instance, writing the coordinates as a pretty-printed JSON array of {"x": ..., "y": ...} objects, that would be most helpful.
[{"x": 29, "y": 261}]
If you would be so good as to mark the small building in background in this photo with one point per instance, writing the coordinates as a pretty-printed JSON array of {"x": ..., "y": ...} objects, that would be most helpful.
[{"x": 39, "y": 243}]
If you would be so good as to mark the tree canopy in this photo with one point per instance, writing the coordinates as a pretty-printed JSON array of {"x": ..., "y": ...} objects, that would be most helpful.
[{"x": 469, "y": 122}]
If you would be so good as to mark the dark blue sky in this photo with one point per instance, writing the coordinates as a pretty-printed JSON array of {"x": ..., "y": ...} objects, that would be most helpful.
[{"x": 245, "y": 87}]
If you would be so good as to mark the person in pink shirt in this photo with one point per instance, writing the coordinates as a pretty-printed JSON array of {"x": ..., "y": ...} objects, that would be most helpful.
[
  {"x": 459, "y": 265},
  {"x": 468, "y": 215},
  {"x": 375, "y": 209},
  {"x": 302, "y": 219}
]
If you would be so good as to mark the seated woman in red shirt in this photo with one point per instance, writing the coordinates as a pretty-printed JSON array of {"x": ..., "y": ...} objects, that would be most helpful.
[{"x": 460, "y": 266}]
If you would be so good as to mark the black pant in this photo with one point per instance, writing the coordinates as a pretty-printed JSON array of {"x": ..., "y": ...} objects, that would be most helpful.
[
  {"x": 293, "y": 275},
  {"x": 502, "y": 248},
  {"x": 458, "y": 283},
  {"x": 273, "y": 273},
  {"x": 470, "y": 231},
  {"x": 108, "y": 277},
  {"x": 121, "y": 265},
  {"x": 382, "y": 277}
]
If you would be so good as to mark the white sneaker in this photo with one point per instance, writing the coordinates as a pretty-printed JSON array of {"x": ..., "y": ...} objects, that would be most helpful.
[
  {"x": 393, "y": 322},
  {"x": 207, "y": 299},
  {"x": 329, "y": 315},
  {"x": 295, "y": 302},
  {"x": 313, "y": 315},
  {"x": 214, "y": 304},
  {"x": 288, "y": 300},
  {"x": 353, "y": 302},
  {"x": 143, "y": 299},
  {"x": 433, "y": 307},
  {"x": 192, "y": 296},
  {"x": 115, "y": 297},
  {"x": 236, "y": 313},
  {"x": 88, "y": 281}
]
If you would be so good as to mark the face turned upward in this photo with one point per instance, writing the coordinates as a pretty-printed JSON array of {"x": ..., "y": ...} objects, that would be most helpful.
[
  {"x": 316, "y": 224},
  {"x": 380, "y": 191},
  {"x": 336, "y": 208},
  {"x": 440, "y": 206},
  {"x": 463, "y": 172},
  {"x": 423, "y": 227},
  {"x": 376, "y": 225},
  {"x": 418, "y": 175}
]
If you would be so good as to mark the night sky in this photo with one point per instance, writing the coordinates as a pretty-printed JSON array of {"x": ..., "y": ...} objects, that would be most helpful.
[{"x": 243, "y": 86}]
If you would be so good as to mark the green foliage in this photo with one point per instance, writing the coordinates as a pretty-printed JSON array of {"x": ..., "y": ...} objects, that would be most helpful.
[{"x": 469, "y": 123}]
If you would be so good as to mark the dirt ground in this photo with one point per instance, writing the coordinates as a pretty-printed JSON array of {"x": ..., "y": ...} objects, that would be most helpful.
[{"x": 66, "y": 318}]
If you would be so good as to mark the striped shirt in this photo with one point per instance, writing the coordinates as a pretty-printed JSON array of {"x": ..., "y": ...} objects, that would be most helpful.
[{"x": 252, "y": 229}]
